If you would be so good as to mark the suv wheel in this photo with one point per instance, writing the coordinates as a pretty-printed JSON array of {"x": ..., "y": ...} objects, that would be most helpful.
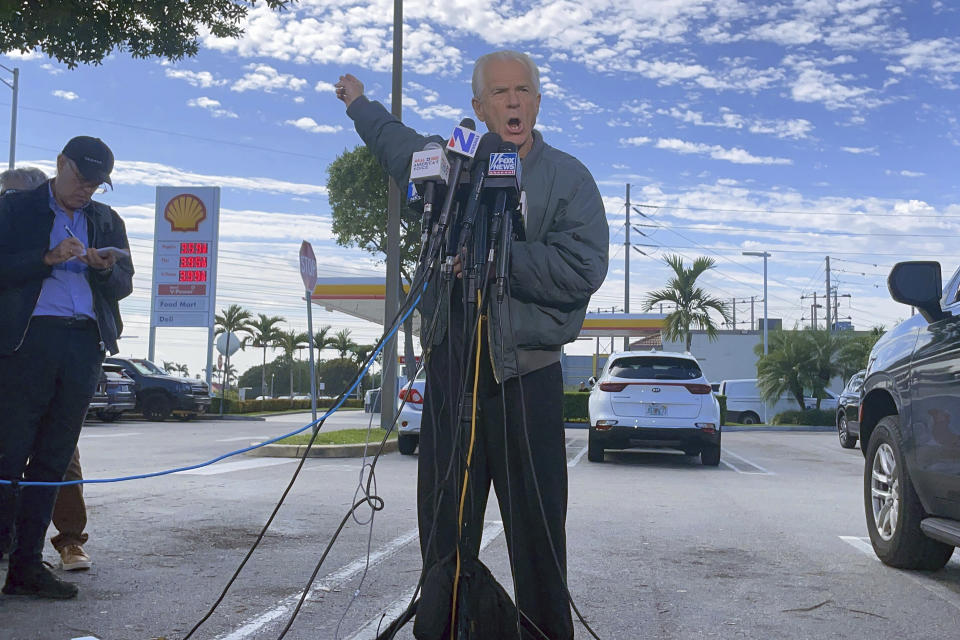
[
  {"x": 847, "y": 441},
  {"x": 156, "y": 408},
  {"x": 107, "y": 416},
  {"x": 749, "y": 418},
  {"x": 892, "y": 507},
  {"x": 407, "y": 443},
  {"x": 710, "y": 455},
  {"x": 594, "y": 449}
]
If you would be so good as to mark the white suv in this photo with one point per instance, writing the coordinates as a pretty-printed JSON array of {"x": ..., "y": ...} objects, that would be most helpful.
[{"x": 654, "y": 399}]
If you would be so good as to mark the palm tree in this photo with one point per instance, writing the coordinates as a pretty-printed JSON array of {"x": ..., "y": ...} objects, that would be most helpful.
[
  {"x": 169, "y": 366},
  {"x": 342, "y": 343},
  {"x": 855, "y": 351},
  {"x": 322, "y": 338},
  {"x": 265, "y": 334},
  {"x": 692, "y": 304},
  {"x": 183, "y": 370},
  {"x": 787, "y": 367},
  {"x": 289, "y": 342},
  {"x": 824, "y": 347},
  {"x": 234, "y": 319}
]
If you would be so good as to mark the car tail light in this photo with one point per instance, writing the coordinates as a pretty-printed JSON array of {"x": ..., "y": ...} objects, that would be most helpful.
[
  {"x": 411, "y": 395},
  {"x": 604, "y": 425},
  {"x": 613, "y": 386},
  {"x": 698, "y": 389},
  {"x": 707, "y": 427}
]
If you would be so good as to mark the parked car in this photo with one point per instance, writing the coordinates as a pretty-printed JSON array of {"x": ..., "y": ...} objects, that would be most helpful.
[
  {"x": 828, "y": 403},
  {"x": 119, "y": 391},
  {"x": 848, "y": 411},
  {"x": 910, "y": 424},
  {"x": 160, "y": 394},
  {"x": 411, "y": 411},
  {"x": 654, "y": 399},
  {"x": 745, "y": 405}
]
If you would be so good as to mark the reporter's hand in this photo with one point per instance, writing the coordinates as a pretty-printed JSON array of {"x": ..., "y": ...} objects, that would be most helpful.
[
  {"x": 95, "y": 261},
  {"x": 348, "y": 89},
  {"x": 457, "y": 267},
  {"x": 69, "y": 248}
]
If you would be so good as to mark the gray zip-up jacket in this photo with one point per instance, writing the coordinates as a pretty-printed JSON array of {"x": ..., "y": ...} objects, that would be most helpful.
[{"x": 553, "y": 272}]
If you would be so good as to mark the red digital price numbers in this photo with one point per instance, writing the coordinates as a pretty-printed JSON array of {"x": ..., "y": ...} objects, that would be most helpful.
[
  {"x": 193, "y": 276},
  {"x": 193, "y": 262},
  {"x": 194, "y": 247}
]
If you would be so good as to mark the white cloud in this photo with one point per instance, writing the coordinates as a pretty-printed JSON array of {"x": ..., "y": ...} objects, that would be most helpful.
[
  {"x": 311, "y": 125},
  {"x": 151, "y": 174},
  {"x": 812, "y": 84},
  {"x": 203, "y": 79},
  {"x": 861, "y": 150},
  {"x": 211, "y": 105},
  {"x": 637, "y": 141},
  {"x": 906, "y": 173},
  {"x": 324, "y": 87},
  {"x": 299, "y": 100},
  {"x": 65, "y": 95},
  {"x": 735, "y": 155},
  {"x": 796, "y": 128},
  {"x": 263, "y": 77},
  {"x": 940, "y": 58},
  {"x": 52, "y": 70},
  {"x": 24, "y": 55}
]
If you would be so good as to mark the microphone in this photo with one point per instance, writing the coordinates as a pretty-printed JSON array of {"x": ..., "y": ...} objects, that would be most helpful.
[
  {"x": 489, "y": 143},
  {"x": 504, "y": 173},
  {"x": 463, "y": 145},
  {"x": 427, "y": 168}
]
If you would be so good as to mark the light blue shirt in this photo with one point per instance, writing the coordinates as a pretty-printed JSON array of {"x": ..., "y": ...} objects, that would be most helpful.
[{"x": 66, "y": 292}]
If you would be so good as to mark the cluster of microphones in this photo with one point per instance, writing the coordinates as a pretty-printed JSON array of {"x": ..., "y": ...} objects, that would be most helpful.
[{"x": 475, "y": 182}]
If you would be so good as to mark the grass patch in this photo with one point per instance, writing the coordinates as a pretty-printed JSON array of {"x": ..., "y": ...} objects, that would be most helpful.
[
  {"x": 320, "y": 412},
  {"x": 344, "y": 436}
]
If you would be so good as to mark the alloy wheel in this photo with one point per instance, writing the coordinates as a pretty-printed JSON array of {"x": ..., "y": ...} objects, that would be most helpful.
[{"x": 885, "y": 491}]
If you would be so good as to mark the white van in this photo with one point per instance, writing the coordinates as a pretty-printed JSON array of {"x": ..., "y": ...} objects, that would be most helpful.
[{"x": 745, "y": 406}]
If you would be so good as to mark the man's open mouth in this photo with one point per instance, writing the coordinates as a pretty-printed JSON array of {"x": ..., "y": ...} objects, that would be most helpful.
[{"x": 514, "y": 125}]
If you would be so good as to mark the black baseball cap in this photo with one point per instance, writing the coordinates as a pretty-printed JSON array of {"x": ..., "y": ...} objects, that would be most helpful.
[{"x": 92, "y": 157}]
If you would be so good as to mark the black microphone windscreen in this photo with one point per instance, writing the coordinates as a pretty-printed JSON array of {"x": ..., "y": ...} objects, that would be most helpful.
[
  {"x": 507, "y": 147},
  {"x": 468, "y": 123},
  {"x": 489, "y": 143}
]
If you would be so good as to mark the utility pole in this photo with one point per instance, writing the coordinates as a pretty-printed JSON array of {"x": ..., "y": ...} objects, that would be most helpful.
[
  {"x": 829, "y": 326},
  {"x": 388, "y": 387},
  {"x": 813, "y": 314},
  {"x": 15, "y": 87},
  {"x": 734, "y": 313},
  {"x": 626, "y": 270},
  {"x": 753, "y": 324}
]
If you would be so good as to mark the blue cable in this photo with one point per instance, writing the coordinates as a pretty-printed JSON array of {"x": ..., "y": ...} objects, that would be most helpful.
[{"x": 166, "y": 472}]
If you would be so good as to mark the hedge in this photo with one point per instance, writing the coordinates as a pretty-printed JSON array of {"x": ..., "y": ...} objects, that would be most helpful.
[
  {"x": 275, "y": 404},
  {"x": 723, "y": 407},
  {"x": 575, "y": 406},
  {"x": 809, "y": 417}
]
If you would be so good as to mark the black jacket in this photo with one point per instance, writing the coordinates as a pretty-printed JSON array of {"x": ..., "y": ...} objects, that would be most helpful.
[{"x": 25, "y": 224}]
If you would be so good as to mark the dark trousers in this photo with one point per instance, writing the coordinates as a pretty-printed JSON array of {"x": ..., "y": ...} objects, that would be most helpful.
[
  {"x": 45, "y": 388},
  {"x": 500, "y": 452},
  {"x": 70, "y": 511}
]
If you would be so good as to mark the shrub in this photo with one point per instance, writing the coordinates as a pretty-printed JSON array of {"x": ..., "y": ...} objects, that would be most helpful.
[
  {"x": 575, "y": 406},
  {"x": 276, "y": 404},
  {"x": 812, "y": 417}
]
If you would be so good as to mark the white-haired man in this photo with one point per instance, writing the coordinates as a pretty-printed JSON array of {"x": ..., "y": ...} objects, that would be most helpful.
[{"x": 553, "y": 272}]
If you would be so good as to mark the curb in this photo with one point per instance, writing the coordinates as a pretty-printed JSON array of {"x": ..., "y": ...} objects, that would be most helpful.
[
  {"x": 319, "y": 450},
  {"x": 235, "y": 416},
  {"x": 725, "y": 428}
]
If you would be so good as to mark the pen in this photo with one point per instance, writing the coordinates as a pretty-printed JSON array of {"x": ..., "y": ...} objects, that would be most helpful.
[{"x": 70, "y": 233}]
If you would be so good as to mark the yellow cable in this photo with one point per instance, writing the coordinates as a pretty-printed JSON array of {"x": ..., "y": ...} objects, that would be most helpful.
[{"x": 466, "y": 472}]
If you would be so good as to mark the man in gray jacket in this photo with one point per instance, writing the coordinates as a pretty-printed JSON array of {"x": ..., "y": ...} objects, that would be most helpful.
[{"x": 553, "y": 272}]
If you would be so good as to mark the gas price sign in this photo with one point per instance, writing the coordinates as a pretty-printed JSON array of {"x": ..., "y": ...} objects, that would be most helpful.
[{"x": 185, "y": 256}]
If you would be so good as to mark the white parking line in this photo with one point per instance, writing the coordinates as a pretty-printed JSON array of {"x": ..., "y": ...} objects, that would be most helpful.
[
  {"x": 490, "y": 532},
  {"x": 576, "y": 458},
  {"x": 944, "y": 593},
  {"x": 109, "y": 435},
  {"x": 763, "y": 472},
  {"x": 250, "y": 438},
  {"x": 239, "y": 465},
  {"x": 331, "y": 582}
]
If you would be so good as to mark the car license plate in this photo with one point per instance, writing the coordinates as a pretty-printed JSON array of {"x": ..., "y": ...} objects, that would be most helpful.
[{"x": 657, "y": 410}]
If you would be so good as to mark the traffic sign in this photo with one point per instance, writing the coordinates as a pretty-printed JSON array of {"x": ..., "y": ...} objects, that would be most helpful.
[{"x": 308, "y": 267}]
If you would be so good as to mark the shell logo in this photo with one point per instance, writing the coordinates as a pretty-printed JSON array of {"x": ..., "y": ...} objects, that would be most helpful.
[{"x": 185, "y": 212}]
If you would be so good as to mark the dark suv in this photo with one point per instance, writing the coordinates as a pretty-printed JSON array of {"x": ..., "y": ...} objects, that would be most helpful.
[
  {"x": 160, "y": 394},
  {"x": 910, "y": 424}
]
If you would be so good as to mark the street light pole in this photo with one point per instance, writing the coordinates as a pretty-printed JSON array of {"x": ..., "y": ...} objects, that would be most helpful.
[
  {"x": 766, "y": 318},
  {"x": 15, "y": 87}
]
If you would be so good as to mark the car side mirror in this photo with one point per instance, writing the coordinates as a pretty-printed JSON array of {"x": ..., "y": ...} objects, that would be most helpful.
[{"x": 918, "y": 284}]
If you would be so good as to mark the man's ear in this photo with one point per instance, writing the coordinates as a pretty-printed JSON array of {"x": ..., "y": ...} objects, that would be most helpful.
[{"x": 478, "y": 109}]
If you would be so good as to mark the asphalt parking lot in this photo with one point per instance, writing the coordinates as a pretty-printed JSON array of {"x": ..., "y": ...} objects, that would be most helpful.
[{"x": 771, "y": 544}]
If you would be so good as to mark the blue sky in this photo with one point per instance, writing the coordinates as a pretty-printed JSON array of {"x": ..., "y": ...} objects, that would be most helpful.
[{"x": 805, "y": 128}]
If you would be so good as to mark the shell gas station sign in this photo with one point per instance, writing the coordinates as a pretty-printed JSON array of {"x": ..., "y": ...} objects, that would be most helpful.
[{"x": 186, "y": 230}]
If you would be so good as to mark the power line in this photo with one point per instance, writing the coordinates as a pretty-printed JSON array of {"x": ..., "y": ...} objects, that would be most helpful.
[
  {"x": 819, "y": 233},
  {"x": 786, "y": 212}
]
